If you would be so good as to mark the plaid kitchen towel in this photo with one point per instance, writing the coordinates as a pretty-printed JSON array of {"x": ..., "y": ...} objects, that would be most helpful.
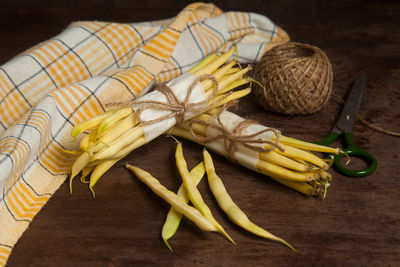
[{"x": 61, "y": 82}]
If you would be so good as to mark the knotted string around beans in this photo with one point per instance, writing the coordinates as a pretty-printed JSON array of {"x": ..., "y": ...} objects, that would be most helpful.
[
  {"x": 174, "y": 105},
  {"x": 236, "y": 136}
]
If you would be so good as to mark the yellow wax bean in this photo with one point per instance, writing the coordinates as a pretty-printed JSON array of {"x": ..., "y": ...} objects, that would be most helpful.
[
  {"x": 112, "y": 134},
  {"x": 129, "y": 148},
  {"x": 325, "y": 176},
  {"x": 77, "y": 166},
  {"x": 233, "y": 96},
  {"x": 269, "y": 168},
  {"x": 84, "y": 159},
  {"x": 233, "y": 70},
  {"x": 118, "y": 128},
  {"x": 203, "y": 63},
  {"x": 213, "y": 111},
  {"x": 223, "y": 85},
  {"x": 113, "y": 118},
  {"x": 94, "y": 163},
  {"x": 99, "y": 170},
  {"x": 308, "y": 146},
  {"x": 216, "y": 63},
  {"x": 73, "y": 152},
  {"x": 278, "y": 159},
  {"x": 91, "y": 123},
  {"x": 198, "y": 128},
  {"x": 194, "y": 194},
  {"x": 202, "y": 117},
  {"x": 173, "y": 217},
  {"x": 84, "y": 144},
  {"x": 218, "y": 74},
  {"x": 293, "y": 152},
  {"x": 177, "y": 131},
  {"x": 124, "y": 140},
  {"x": 101, "y": 166},
  {"x": 302, "y": 187},
  {"x": 93, "y": 137},
  {"x": 85, "y": 172},
  {"x": 189, "y": 212},
  {"x": 237, "y": 83},
  {"x": 229, "y": 207}
]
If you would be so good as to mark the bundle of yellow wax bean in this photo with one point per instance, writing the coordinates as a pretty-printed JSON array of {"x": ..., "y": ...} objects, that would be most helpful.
[
  {"x": 286, "y": 160},
  {"x": 199, "y": 213},
  {"x": 115, "y": 133}
]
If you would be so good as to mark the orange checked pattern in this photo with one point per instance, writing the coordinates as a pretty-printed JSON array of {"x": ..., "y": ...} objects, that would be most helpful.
[{"x": 48, "y": 89}]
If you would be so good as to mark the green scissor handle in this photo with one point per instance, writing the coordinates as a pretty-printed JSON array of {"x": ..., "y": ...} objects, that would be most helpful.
[
  {"x": 329, "y": 139},
  {"x": 352, "y": 150}
]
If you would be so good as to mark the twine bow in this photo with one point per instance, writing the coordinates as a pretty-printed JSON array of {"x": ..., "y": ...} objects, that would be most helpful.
[
  {"x": 176, "y": 107},
  {"x": 236, "y": 136}
]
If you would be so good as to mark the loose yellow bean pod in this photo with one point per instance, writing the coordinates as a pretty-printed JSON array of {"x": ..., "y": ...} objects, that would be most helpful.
[
  {"x": 194, "y": 194},
  {"x": 173, "y": 217},
  {"x": 229, "y": 207},
  {"x": 189, "y": 212}
]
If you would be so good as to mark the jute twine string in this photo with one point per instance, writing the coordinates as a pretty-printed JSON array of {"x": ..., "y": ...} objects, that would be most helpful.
[
  {"x": 294, "y": 79},
  {"x": 174, "y": 105},
  {"x": 232, "y": 138}
]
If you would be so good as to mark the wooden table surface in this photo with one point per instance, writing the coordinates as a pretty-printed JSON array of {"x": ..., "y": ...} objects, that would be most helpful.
[{"x": 356, "y": 225}]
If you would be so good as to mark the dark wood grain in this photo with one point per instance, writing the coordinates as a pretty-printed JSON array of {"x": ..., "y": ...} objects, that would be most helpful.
[{"x": 356, "y": 225}]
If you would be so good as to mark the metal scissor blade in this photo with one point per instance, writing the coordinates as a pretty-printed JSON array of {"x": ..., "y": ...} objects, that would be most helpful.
[{"x": 350, "y": 110}]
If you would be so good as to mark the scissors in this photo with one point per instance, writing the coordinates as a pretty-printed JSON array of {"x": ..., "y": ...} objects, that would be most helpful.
[{"x": 345, "y": 125}]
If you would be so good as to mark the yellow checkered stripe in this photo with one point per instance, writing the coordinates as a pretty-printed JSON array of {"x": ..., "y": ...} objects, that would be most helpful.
[{"x": 48, "y": 89}]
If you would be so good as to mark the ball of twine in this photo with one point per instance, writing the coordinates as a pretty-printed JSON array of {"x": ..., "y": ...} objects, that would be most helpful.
[{"x": 296, "y": 79}]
